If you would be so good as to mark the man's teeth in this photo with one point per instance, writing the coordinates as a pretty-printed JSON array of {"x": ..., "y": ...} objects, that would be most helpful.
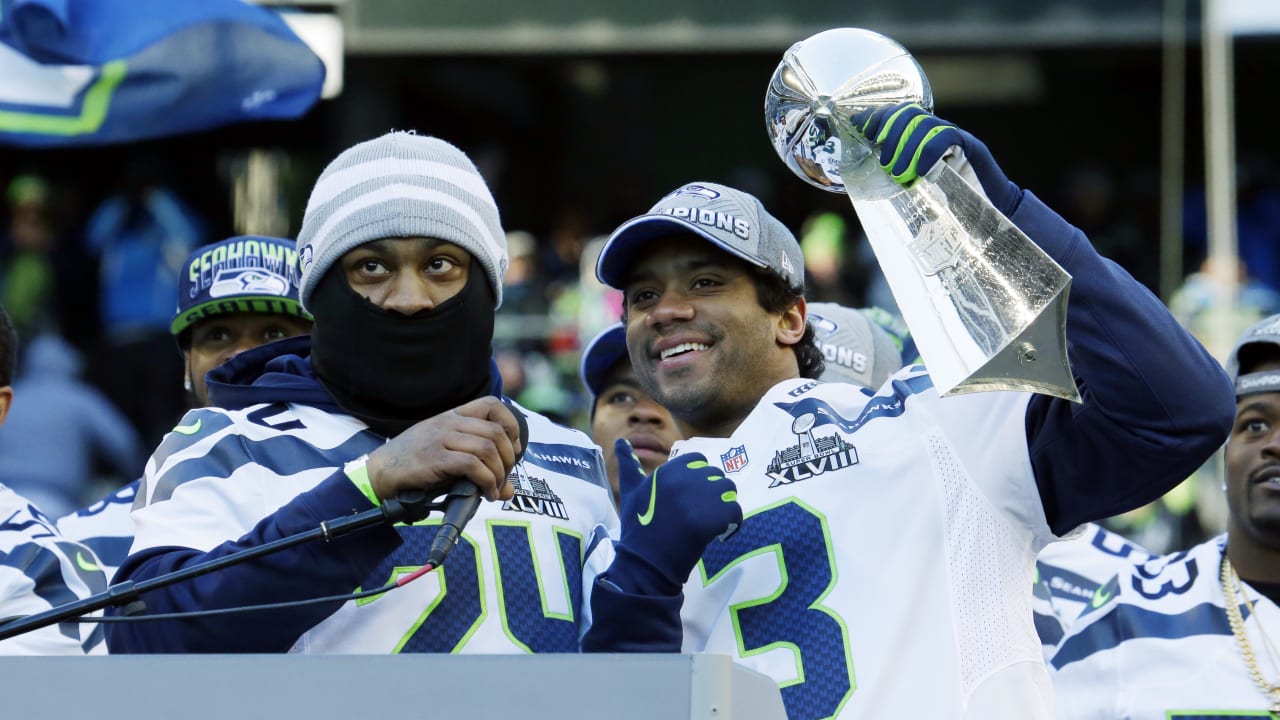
[{"x": 682, "y": 348}]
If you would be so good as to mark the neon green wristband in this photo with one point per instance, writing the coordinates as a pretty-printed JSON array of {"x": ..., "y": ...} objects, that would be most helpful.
[{"x": 358, "y": 473}]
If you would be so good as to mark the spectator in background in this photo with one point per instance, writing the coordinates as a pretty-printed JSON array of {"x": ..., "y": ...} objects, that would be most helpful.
[
  {"x": 563, "y": 250},
  {"x": 1193, "y": 302},
  {"x": 822, "y": 243},
  {"x": 522, "y": 322},
  {"x": 63, "y": 431},
  {"x": 37, "y": 570},
  {"x": 1111, "y": 221},
  {"x": 523, "y": 286},
  {"x": 1257, "y": 219},
  {"x": 141, "y": 235},
  {"x": 28, "y": 279}
]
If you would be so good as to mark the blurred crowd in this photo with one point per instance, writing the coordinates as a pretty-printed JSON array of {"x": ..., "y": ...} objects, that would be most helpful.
[{"x": 92, "y": 290}]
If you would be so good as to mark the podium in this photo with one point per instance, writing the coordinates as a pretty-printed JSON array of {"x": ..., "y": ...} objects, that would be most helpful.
[{"x": 342, "y": 687}]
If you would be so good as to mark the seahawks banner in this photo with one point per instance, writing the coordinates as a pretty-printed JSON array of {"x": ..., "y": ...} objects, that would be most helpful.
[{"x": 79, "y": 72}]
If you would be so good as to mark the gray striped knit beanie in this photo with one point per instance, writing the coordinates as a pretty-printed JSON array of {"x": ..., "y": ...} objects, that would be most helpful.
[{"x": 400, "y": 185}]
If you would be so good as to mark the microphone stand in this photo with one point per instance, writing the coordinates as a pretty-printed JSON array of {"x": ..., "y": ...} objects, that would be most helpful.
[{"x": 408, "y": 506}]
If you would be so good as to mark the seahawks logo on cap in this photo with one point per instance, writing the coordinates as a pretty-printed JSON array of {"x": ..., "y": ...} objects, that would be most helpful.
[
  {"x": 821, "y": 324},
  {"x": 248, "y": 281},
  {"x": 304, "y": 260},
  {"x": 698, "y": 191}
]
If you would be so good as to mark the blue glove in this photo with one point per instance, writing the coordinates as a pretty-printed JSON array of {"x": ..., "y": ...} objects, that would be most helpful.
[
  {"x": 912, "y": 141},
  {"x": 668, "y": 518}
]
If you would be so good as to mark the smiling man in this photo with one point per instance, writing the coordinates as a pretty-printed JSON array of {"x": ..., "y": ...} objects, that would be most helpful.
[
  {"x": 887, "y": 538},
  {"x": 1193, "y": 634}
]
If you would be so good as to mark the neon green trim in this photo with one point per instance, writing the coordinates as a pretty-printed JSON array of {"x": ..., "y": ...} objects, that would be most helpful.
[
  {"x": 191, "y": 429},
  {"x": 884, "y": 129},
  {"x": 86, "y": 564},
  {"x": 913, "y": 170},
  {"x": 815, "y": 606},
  {"x": 730, "y": 496},
  {"x": 647, "y": 516},
  {"x": 93, "y": 112},
  {"x": 537, "y": 573},
  {"x": 358, "y": 473}
]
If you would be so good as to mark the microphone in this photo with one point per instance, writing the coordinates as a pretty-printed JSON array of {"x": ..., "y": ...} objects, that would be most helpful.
[{"x": 464, "y": 499}]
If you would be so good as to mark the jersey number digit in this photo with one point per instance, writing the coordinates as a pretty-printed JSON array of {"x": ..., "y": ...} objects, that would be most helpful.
[
  {"x": 792, "y": 617},
  {"x": 458, "y": 609}
]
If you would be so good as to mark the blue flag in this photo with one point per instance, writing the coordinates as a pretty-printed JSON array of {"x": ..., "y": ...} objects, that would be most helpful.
[{"x": 80, "y": 72}]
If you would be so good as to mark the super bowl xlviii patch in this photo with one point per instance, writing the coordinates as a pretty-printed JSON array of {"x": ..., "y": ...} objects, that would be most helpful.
[
  {"x": 735, "y": 459},
  {"x": 533, "y": 495},
  {"x": 811, "y": 456}
]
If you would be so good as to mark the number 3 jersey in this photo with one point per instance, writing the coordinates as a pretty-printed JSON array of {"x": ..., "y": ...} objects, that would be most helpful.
[
  {"x": 225, "y": 479},
  {"x": 883, "y": 542}
]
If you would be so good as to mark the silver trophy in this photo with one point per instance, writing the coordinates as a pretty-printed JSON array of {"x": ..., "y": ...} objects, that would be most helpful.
[{"x": 986, "y": 306}]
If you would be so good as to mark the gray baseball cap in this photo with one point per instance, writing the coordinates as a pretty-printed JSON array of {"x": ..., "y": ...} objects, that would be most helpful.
[
  {"x": 732, "y": 220},
  {"x": 1263, "y": 335},
  {"x": 856, "y": 349}
]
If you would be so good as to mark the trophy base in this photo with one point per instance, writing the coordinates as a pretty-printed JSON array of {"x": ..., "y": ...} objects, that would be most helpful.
[{"x": 1033, "y": 361}]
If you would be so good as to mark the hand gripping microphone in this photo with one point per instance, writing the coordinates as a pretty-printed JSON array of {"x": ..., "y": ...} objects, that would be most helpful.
[{"x": 464, "y": 499}]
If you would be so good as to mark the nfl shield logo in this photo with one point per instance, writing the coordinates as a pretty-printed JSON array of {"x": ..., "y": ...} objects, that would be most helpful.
[{"x": 735, "y": 459}]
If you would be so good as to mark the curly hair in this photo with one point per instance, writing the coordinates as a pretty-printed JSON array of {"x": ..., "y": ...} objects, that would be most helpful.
[{"x": 775, "y": 296}]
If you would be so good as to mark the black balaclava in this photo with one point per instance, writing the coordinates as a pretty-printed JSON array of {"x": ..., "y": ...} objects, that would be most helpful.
[{"x": 392, "y": 370}]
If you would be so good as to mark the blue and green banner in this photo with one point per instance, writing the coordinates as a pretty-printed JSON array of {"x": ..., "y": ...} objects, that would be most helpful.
[{"x": 80, "y": 72}]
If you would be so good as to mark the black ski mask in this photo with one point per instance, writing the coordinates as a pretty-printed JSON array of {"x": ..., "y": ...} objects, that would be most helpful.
[{"x": 392, "y": 370}]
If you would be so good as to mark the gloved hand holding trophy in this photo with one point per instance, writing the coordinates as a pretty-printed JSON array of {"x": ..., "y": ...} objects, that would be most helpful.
[{"x": 986, "y": 306}]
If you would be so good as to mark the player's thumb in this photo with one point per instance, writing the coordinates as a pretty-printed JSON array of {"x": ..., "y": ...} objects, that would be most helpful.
[{"x": 630, "y": 473}]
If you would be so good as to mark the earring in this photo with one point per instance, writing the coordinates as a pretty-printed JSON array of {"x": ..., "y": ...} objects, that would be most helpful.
[{"x": 186, "y": 383}]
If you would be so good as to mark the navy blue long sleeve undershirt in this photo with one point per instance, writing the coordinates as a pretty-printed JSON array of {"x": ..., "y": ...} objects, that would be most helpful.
[{"x": 331, "y": 568}]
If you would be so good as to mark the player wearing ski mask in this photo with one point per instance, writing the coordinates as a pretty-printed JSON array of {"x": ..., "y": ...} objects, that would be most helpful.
[{"x": 402, "y": 254}]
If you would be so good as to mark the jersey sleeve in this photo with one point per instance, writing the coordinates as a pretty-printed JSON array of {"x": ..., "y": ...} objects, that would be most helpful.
[
  {"x": 1084, "y": 666},
  {"x": 40, "y": 570},
  {"x": 104, "y": 527},
  {"x": 210, "y": 492},
  {"x": 1155, "y": 404}
]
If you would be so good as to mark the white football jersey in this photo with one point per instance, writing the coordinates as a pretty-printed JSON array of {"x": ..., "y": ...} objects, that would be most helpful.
[
  {"x": 883, "y": 541},
  {"x": 1069, "y": 573},
  {"x": 40, "y": 570},
  {"x": 105, "y": 527},
  {"x": 1160, "y": 646},
  {"x": 517, "y": 581}
]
